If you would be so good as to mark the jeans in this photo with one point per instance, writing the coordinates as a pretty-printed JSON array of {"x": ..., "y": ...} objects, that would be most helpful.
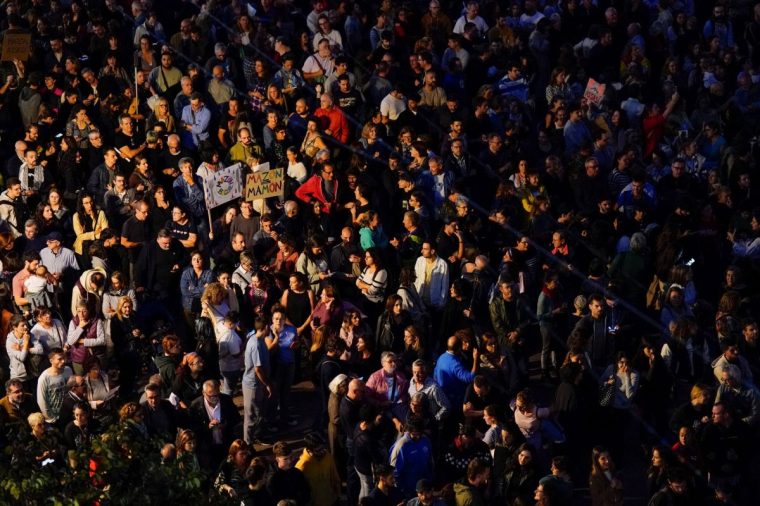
[
  {"x": 352, "y": 479},
  {"x": 366, "y": 484},
  {"x": 283, "y": 381},
  {"x": 548, "y": 356},
  {"x": 253, "y": 411}
]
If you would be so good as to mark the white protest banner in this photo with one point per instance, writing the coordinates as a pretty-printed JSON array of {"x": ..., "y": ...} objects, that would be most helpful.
[
  {"x": 223, "y": 185},
  {"x": 263, "y": 184},
  {"x": 594, "y": 92}
]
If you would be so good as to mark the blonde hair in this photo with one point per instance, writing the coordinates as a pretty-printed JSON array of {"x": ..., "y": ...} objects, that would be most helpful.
[
  {"x": 214, "y": 293},
  {"x": 35, "y": 419},
  {"x": 319, "y": 338},
  {"x": 120, "y": 305},
  {"x": 128, "y": 411},
  {"x": 698, "y": 391}
]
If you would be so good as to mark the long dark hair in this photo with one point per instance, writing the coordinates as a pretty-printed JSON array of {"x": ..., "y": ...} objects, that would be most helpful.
[
  {"x": 374, "y": 252},
  {"x": 80, "y": 207},
  {"x": 315, "y": 241}
]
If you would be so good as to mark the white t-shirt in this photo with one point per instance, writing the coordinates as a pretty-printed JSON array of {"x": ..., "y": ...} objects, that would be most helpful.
[
  {"x": 297, "y": 171},
  {"x": 391, "y": 106},
  {"x": 315, "y": 63}
]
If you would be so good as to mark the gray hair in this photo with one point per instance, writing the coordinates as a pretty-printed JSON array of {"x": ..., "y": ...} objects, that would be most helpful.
[
  {"x": 638, "y": 242},
  {"x": 387, "y": 355},
  {"x": 289, "y": 204},
  {"x": 733, "y": 372},
  {"x": 211, "y": 383}
]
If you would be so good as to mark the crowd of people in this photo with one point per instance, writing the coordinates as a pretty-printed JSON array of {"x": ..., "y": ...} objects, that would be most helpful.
[{"x": 468, "y": 185}]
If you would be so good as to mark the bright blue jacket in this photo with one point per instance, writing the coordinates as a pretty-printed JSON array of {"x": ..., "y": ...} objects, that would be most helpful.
[
  {"x": 411, "y": 461},
  {"x": 453, "y": 377}
]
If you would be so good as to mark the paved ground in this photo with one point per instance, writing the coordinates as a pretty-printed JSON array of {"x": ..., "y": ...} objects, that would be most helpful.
[{"x": 305, "y": 405}]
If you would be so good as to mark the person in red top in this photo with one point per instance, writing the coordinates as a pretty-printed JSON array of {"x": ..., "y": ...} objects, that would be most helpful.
[
  {"x": 332, "y": 119},
  {"x": 322, "y": 187},
  {"x": 653, "y": 123}
]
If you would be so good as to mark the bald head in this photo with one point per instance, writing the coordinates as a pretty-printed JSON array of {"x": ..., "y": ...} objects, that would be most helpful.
[
  {"x": 452, "y": 344},
  {"x": 355, "y": 389}
]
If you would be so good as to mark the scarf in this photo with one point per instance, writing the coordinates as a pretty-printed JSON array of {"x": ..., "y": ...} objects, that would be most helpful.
[
  {"x": 39, "y": 176},
  {"x": 79, "y": 352}
]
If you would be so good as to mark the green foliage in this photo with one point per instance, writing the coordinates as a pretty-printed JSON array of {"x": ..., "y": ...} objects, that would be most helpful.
[{"x": 118, "y": 469}]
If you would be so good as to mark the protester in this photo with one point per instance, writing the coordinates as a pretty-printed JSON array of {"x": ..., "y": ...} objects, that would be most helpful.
[{"x": 470, "y": 171}]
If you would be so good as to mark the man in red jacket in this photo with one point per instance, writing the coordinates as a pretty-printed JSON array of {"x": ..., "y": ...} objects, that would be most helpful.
[
  {"x": 322, "y": 187},
  {"x": 332, "y": 119}
]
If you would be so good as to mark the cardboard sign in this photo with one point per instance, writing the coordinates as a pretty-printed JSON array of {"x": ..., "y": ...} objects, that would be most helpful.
[
  {"x": 222, "y": 186},
  {"x": 264, "y": 184},
  {"x": 594, "y": 92},
  {"x": 16, "y": 46}
]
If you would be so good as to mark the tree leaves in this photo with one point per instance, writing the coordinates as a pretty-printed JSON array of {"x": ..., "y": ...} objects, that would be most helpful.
[{"x": 118, "y": 469}]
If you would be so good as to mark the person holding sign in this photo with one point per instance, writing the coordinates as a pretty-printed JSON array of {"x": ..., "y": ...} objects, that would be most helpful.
[
  {"x": 653, "y": 123},
  {"x": 322, "y": 187}
]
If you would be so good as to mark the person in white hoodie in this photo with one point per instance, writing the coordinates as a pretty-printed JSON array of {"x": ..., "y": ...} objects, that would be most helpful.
[
  {"x": 89, "y": 288},
  {"x": 230, "y": 352}
]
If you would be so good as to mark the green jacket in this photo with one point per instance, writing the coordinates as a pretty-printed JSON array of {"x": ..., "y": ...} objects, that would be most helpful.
[
  {"x": 465, "y": 495},
  {"x": 509, "y": 316}
]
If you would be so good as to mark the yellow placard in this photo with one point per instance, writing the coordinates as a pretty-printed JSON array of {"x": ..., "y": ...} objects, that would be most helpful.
[
  {"x": 265, "y": 184},
  {"x": 16, "y": 46}
]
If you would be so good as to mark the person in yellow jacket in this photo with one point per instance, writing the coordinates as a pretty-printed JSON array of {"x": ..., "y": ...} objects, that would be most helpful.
[{"x": 318, "y": 466}]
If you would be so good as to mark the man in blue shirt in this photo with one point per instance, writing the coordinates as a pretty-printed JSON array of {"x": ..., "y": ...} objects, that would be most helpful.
[
  {"x": 194, "y": 123},
  {"x": 451, "y": 374},
  {"x": 256, "y": 385},
  {"x": 513, "y": 85},
  {"x": 576, "y": 132}
]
